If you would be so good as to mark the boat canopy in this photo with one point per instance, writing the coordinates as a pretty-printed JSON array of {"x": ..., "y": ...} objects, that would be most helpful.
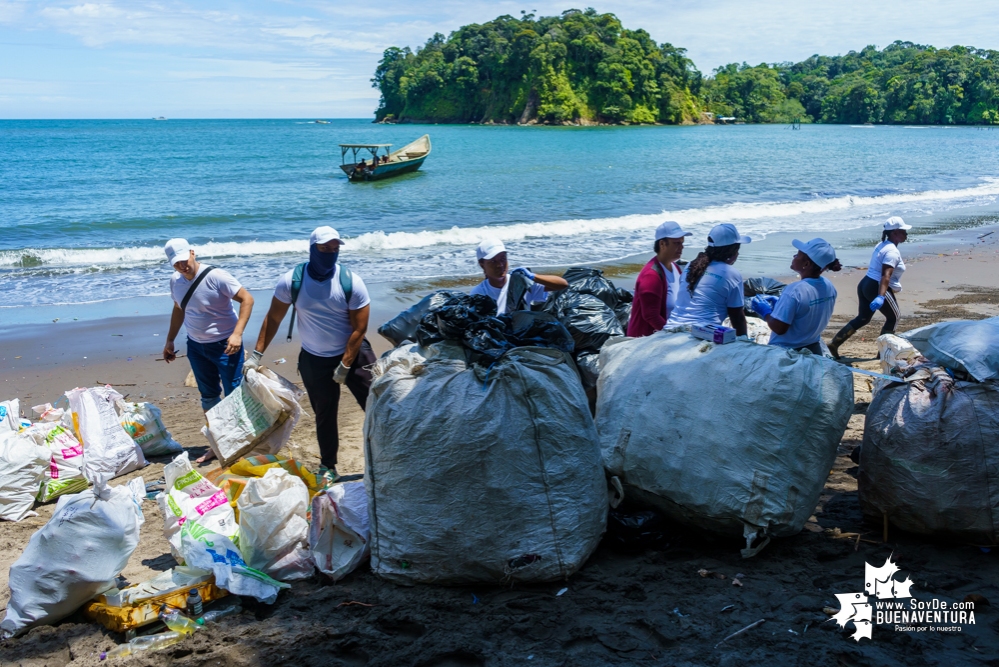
[{"x": 355, "y": 148}]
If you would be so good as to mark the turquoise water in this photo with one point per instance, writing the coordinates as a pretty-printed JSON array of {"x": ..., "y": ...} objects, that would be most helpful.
[{"x": 85, "y": 206}]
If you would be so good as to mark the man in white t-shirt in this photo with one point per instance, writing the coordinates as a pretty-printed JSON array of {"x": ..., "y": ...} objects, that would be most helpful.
[
  {"x": 492, "y": 257},
  {"x": 202, "y": 302},
  {"x": 332, "y": 329}
]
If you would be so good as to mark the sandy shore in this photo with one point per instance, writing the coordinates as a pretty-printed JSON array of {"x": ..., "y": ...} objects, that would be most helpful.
[{"x": 646, "y": 609}]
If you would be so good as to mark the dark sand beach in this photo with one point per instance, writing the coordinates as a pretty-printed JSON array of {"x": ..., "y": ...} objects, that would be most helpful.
[{"x": 649, "y": 608}]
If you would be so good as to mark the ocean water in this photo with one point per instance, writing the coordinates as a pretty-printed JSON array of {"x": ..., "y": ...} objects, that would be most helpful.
[{"x": 86, "y": 206}]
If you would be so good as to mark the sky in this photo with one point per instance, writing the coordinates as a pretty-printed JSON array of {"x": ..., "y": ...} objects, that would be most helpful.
[{"x": 309, "y": 58}]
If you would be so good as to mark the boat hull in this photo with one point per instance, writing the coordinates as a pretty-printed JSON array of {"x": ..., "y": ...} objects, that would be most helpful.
[{"x": 383, "y": 170}]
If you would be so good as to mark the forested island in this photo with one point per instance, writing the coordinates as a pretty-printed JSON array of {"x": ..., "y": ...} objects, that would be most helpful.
[{"x": 585, "y": 68}]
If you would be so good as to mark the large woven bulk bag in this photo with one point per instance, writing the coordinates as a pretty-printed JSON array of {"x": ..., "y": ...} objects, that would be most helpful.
[
  {"x": 736, "y": 439},
  {"x": 930, "y": 458},
  {"x": 480, "y": 475}
]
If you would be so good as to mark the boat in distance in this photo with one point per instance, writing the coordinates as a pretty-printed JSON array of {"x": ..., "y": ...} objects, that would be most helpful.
[{"x": 382, "y": 163}]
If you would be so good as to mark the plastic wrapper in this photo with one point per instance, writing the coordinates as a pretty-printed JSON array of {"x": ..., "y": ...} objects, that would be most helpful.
[{"x": 404, "y": 325}]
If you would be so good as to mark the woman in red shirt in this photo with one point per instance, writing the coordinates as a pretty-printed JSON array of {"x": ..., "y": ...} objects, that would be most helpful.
[{"x": 658, "y": 282}]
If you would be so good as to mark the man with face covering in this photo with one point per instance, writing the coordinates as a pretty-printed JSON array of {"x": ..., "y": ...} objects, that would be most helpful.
[{"x": 334, "y": 350}]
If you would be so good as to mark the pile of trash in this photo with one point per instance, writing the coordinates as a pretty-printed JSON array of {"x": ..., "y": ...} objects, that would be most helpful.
[
  {"x": 761, "y": 286},
  {"x": 93, "y": 437},
  {"x": 749, "y": 462},
  {"x": 928, "y": 461},
  {"x": 594, "y": 311}
]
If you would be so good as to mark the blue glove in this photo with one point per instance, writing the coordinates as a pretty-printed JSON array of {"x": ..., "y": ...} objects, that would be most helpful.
[
  {"x": 761, "y": 306},
  {"x": 877, "y": 303},
  {"x": 527, "y": 272}
]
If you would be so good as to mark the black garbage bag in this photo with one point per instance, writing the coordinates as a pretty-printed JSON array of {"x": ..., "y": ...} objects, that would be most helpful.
[
  {"x": 591, "y": 281},
  {"x": 427, "y": 332},
  {"x": 539, "y": 329},
  {"x": 404, "y": 325},
  {"x": 487, "y": 337},
  {"x": 590, "y": 321},
  {"x": 516, "y": 292},
  {"x": 588, "y": 364},
  {"x": 636, "y": 530},
  {"x": 756, "y": 286},
  {"x": 623, "y": 314}
]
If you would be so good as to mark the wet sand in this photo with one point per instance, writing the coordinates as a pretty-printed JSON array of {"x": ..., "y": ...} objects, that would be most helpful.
[{"x": 650, "y": 608}]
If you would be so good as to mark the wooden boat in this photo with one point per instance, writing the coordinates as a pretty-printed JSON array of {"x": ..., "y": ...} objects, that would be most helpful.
[{"x": 382, "y": 163}]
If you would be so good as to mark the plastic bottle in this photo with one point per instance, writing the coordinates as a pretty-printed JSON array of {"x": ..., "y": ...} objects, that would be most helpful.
[
  {"x": 194, "y": 602},
  {"x": 144, "y": 643},
  {"x": 213, "y": 615},
  {"x": 177, "y": 622}
]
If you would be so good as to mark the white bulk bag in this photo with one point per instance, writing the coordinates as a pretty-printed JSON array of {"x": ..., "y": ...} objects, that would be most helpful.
[
  {"x": 23, "y": 466},
  {"x": 219, "y": 555},
  {"x": 930, "y": 457},
  {"x": 144, "y": 424},
  {"x": 65, "y": 472},
  {"x": 736, "y": 439},
  {"x": 256, "y": 418},
  {"x": 969, "y": 346},
  {"x": 190, "y": 498},
  {"x": 480, "y": 475},
  {"x": 273, "y": 525},
  {"x": 107, "y": 450},
  {"x": 339, "y": 534},
  {"x": 75, "y": 556}
]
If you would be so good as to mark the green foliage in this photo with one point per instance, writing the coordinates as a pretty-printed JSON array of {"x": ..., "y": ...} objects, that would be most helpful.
[
  {"x": 585, "y": 66},
  {"x": 578, "y": 66}
]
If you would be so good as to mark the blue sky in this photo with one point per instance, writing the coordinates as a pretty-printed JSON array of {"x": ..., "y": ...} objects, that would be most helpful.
[{"x": 307, "y": 58}]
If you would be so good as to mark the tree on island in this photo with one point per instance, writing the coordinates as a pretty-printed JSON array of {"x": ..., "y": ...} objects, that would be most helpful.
[{"x": 584, "y": 67}]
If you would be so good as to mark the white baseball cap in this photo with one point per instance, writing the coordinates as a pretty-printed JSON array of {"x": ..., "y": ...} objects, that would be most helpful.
[
  {"x": 324, "y": 234},
  {"x": 726, "y": 234},
  {"x": 896, "y": 222},
  {"x": 489, "y": 248},
  {"x": 177, "y": 250},
  {"x": 818, "y": 250},
  {"x": 671, "y": 230}
]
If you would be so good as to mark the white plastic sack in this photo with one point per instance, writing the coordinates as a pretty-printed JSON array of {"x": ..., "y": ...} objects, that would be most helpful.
[
  {"x": 10, "y": 416},
  {"x": 274, "y": 525},
  {"x": 972, "y": 347},
  {"x": 23, "y": 465},
  {"x": 75, "y": 556},
  {"x": 65, "y": 470},
  {"x": 218, "y": 554},
  {"x": 930, "y": 457},
  {"x": 339, "y": 534},
  {"x": 190, "y": 498},
  {"x": 144, "y": 424},
  {"x": 736, "y": 439},
  {"x": 107, "y": 450},
  {"x": 479, "y": 475},
  {"x": 256, "y": 418}
]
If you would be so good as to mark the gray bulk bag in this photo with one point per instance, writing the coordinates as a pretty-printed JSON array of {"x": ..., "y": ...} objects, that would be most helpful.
[
  {"x": 480, "y": 475},
  {"x": 930, "y": 457},
  {"x": 735, "y": 439}
]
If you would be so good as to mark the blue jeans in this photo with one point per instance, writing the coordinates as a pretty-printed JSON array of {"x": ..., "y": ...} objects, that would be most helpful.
[{"x": 214, "y": 370}]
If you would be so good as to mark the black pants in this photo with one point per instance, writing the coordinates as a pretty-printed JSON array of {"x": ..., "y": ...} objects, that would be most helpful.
[
  {"x": 867, "y": 291},
  {"x": 814, "y": 348},
  {"x": 324, "y": 394}
]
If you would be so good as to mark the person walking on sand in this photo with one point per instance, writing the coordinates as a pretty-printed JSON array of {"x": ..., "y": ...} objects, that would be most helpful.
[
  {"x": 877, "y": 289},
  {"x": 492, "y": 257},
  {"x": 333, "y": 306},
  {"x": 202, "y": 302},
  {"x": 799, "y": 316},
  {"x": 658, "y": 283},
  {"x": 713, "y": 288}
]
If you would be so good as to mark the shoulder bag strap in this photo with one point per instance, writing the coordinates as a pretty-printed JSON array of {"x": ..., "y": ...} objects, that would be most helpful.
[
  {"x": 194, "y": 286},
  {"x": 296, "y": 287}
]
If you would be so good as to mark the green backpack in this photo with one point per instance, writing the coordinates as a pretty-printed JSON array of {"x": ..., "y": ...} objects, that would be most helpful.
[{"x": 346, "y": 284}]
